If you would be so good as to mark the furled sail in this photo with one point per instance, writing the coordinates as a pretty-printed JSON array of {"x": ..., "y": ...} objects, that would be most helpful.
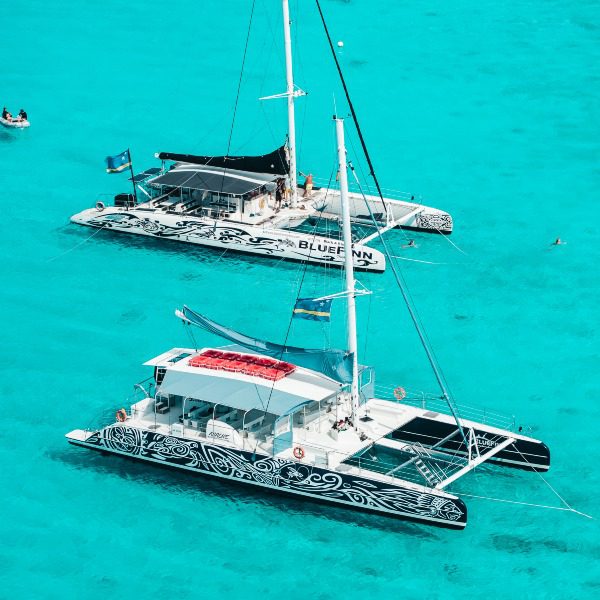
[
  {"x": 275, "y": 162},
  {"x": 336, "y": 364}
]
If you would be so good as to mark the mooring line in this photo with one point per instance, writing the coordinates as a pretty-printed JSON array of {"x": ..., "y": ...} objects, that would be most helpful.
[
  {"x": 562, "y": 508},
  {"x": 77, "y": 245},
  {"x": 551, "y": 488},
  {"x": 427, "y": 262},
  {"x": 447, "y": 238}
]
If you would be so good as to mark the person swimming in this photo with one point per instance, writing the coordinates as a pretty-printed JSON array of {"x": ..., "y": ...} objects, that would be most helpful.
[
  {"x": 558, "y": 242},
  {"x": 411, "y": 244}
]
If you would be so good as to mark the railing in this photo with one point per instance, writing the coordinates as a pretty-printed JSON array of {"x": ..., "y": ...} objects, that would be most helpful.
[
  {"x": 388, "y": 193},
  {"x": 437, "y": 404}
]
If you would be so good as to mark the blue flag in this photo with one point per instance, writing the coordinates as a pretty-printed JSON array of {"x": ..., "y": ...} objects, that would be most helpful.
[
  {"x": 118, "y": 163},
  {"x": 314, "y": 310}
]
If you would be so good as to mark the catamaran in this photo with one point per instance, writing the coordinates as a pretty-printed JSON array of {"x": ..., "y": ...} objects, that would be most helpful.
[
  {"x": 254, "y": 204},
  {"x": 312, "y": 422}
]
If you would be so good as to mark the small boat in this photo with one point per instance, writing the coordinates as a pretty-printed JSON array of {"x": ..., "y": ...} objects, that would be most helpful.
[
  {"x": 311, "y": 422},
  {"x": 14, "y": 124},
  {"x": 230, "y": 203}
]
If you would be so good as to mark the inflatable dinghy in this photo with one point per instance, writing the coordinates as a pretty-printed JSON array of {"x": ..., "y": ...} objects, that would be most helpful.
[{"x": 14, "y": 123}]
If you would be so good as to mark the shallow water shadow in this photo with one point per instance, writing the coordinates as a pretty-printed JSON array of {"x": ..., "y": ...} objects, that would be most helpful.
[
  {"x": 179, "y": 249},
  {"x": 238, "y": 493},
  {"x": 6, "y": 136}
]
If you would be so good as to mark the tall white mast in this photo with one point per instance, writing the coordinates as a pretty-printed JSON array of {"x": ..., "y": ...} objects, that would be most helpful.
[
  {"x": 348, "y": 261},
  {"x": 290, "y": 99}
]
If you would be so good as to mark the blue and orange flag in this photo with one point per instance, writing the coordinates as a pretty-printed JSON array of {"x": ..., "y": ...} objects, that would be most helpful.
[
  {"x": 313, "y": 309},
  {"x": 118, "y": 163}
]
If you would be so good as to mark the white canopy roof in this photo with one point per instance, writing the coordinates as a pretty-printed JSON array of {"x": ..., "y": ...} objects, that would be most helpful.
[{"x": 246, "y": 392}]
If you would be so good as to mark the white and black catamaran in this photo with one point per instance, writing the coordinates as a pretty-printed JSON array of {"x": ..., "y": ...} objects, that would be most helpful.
[
  {"x": 253, "y": 204},
  {"x": 311, "y": 422}
]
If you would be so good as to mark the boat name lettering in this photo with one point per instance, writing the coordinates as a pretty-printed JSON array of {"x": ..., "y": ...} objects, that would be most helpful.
[
  {"x": 481, "y": 441},
  {"x": 303, "y": 244},
  {"x": 216, "y": 434}
]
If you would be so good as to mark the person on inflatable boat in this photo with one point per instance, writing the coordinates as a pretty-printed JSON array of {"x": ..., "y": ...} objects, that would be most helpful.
[
  {"x": 22, "y": 116},
  {"x": 6, "y": 115}
]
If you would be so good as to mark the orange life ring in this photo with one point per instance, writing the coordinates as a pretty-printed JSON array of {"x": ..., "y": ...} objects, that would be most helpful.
[
  {"x": 400, "y": 393},
  {"x": 121, "y": 415},
  {"x": 298, "y": 453}
]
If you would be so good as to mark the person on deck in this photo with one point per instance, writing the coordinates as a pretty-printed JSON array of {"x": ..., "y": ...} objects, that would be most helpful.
[
  {"x": 308, "y": 185},
  {"x": 22, "y": 116},
  {"x": 279, "y": 191}
]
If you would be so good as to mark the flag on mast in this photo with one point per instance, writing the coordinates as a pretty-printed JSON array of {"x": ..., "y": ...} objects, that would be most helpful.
[
  {"x": 313, "y": 309},
  {"x": 118, "y": 163}
]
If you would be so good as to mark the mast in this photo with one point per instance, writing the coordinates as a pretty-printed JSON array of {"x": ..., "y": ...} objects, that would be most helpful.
[
  {"x": 348, "y": 261},
  {"x": 290, "y": 100}
]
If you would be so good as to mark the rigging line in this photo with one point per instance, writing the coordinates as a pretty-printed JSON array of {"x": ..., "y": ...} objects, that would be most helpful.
[
  {"x": 354, "y": 117},
  {"x": 368, "y": 325},
  {"x": 402, "y": 232},
  {"x": 268, "y": 12},
  {"x": 237, "y": 96},
  {"x": 77, "y": 245},
  {"x": 447, "y": 238},
  {"x": 550, "y": 486},
  {"x": 427, "y": 262},
  {"x": 239, "y": 87},
  {"x": 191, "y": 334},
  {"x": 289, "y": 328},
  {"x": 413, "y": 315},
  {"x": 424, "y": 331},
  {"x": 562, "y": 508}
]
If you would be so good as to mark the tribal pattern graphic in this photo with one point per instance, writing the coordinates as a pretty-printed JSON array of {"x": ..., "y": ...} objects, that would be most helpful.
[
  {"x": 188, "y": 230},
  {"x": 279, "y": 474},
  {"x": 212, "y": 234},
  {"x": 439, "y": 221}
]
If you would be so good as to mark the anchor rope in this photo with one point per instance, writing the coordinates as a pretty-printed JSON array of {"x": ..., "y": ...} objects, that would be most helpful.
[
  {"x": 566, "y": 508},
  {"x": 77, "y": 245},
  {"x": 531, "y": 504},
  {"x": 447, "y": 238}
]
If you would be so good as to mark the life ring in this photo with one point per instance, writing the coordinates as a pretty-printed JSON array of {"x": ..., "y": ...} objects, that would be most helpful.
[
  {"x": 99, "y": 206},
  {"x": 400, "y": 393},
  {"x": 298, "y": 453},
  {"x": 121, "y": 415}
]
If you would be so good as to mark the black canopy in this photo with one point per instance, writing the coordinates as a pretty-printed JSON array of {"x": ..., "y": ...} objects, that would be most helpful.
[
  {"x": 275, "y": 162},
  {"x": 213, "y": 180}
]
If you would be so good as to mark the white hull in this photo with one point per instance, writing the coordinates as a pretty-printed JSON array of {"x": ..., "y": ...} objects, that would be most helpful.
[
  {"x": 230, "y": 235},
  {"x": 14, "y": 124}
]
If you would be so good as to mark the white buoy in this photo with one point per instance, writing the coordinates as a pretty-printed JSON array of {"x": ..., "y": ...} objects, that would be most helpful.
[{"x": 340, "y": 44}]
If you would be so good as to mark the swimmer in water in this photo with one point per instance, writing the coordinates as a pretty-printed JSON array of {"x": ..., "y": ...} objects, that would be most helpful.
[
  {"x": 411, "y": 244},
  {"x": 558, "y": 242}
]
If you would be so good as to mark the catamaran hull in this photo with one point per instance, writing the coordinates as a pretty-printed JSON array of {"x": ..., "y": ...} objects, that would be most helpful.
[
  {"x": 406, "y": 215},
  {"x": 277, "y": 474},
  {"x": 526, "y": 454},
  {"x": 272, "y": 243}
]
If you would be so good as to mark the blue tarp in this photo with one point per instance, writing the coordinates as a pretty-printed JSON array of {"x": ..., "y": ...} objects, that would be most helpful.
[{"x": 336, "y": 364}]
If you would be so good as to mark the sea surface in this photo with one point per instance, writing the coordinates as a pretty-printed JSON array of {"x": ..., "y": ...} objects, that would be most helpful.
[{"x": 490, "y": 110}]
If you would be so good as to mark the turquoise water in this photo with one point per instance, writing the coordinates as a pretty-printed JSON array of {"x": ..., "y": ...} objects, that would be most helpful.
[{"x": 489, "y": 110}]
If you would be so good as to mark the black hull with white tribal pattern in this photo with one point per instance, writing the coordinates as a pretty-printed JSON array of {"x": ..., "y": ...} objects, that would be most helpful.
[{"x": 281, "y": 475}]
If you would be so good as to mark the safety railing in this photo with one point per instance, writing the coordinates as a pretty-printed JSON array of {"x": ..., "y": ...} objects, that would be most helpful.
[
  {"x": 437, "y": 404},
  {"x": 388, "y": 193}
]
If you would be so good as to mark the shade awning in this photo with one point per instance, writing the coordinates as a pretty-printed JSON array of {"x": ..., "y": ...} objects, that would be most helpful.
[
  {"x": 275, "y": 162},
  {"x": 246, "y": 393},
  {"x": 237, "y": 183}
]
